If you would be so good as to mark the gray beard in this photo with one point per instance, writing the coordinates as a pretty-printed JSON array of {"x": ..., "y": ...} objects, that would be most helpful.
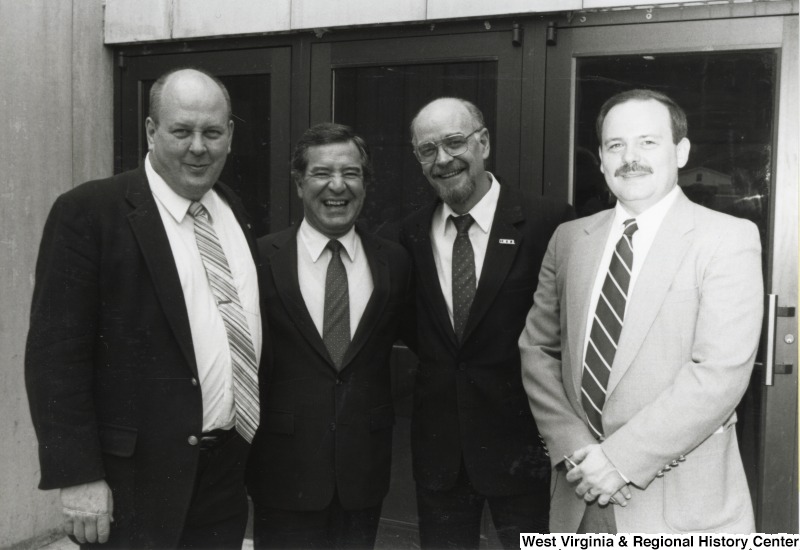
[{"x": 456, "y": 195}]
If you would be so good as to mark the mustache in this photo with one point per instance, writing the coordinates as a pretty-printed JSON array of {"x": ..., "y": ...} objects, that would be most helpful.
[{"x": 633, "y": 167}]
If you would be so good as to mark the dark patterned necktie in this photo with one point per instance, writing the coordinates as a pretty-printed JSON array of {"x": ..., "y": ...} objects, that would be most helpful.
[
  {"x": 336, "y": 319},
  {"x": 243, "y": 355},
  {"x": 606, "y": 328},
  {"x": 463, "y": 266}
]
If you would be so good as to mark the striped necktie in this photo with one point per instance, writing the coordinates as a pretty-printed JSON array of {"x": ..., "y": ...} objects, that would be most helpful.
[
  {"x": 606, "y": 328},
  {"x": 463, "y": 266},
  {"x": 336, "y": 315},
  {"x": 243, "y": 355}
]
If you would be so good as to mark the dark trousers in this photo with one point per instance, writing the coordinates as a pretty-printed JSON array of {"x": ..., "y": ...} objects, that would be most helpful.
[
  {"x": 452, "y": 518},
  {"x": 331, "y": 527},
  {"x": 217, "y": 515},
  {"x": 598, "y": 519}
]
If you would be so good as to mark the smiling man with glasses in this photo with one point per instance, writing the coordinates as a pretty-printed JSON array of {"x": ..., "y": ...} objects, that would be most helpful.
[{"x": 476, "y": 253}]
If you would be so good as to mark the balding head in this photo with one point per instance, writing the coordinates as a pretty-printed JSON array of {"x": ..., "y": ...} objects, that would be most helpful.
[
  {"x": 185, "y": 76},
  {"x": 452, "y": 144}
]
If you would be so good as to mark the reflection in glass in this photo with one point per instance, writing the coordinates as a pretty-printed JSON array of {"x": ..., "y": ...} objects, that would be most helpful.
[
  {"x": 729, "y": 100},
  {"x": 379, "y": 103}
]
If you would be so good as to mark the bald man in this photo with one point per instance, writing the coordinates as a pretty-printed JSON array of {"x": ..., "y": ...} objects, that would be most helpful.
[
  {"x": 476, "y": 252},
  {"x": 145, "y": 334}
]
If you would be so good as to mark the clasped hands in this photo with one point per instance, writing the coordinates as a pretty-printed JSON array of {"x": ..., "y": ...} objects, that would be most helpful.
[
  {"x": 596, "y": 477},
  {"x": 88, "y": 511}
]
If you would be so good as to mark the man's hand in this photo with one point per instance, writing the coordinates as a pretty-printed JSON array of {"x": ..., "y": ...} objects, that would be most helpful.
[
  {"x": 597, "y": 478},
  {"x": 88, "y": 511}
]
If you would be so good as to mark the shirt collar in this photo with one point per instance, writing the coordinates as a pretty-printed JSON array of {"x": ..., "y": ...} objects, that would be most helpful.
[
  {"x": 482, "y": 212},
  {"x": 177, "y": 206},
  {"x": 650, "y": 219},
  {"x": 316, "y": 242}
]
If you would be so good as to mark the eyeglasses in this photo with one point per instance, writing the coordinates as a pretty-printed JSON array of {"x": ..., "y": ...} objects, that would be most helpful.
[{"x": 453, "y": 145}]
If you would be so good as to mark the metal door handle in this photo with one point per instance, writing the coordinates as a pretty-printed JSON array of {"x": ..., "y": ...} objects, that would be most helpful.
[
  {"x": 772, "y": 312},
  {"x": 769, "y": 352}
]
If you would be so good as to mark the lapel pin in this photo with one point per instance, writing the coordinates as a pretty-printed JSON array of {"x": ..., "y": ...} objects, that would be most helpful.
[{"x": 507, "y": 241}]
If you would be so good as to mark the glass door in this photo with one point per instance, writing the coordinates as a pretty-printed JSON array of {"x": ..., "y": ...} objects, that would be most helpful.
[
  {"x": 377, "y": 86},
  {"x": 258, "y": 81},
  {"x": 734, "y": 79}
]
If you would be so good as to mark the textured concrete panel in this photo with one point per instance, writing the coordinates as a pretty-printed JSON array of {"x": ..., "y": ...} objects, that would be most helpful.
[
  {"x": 137, "y": 20},
  {"x": 331, "y": 13},
  {"x": 446, "y": 9},
  {"x": 193, "y": 18}
]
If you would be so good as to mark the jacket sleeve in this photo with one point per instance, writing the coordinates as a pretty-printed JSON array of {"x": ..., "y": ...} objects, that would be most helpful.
[
  {"x": 707, "y": 387},
  {"x": 59, "y": 367},
  {"x": 543, "y": 371}
]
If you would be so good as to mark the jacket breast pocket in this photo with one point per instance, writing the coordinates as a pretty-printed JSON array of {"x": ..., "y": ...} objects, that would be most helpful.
[{"x": 118, "y": 440}]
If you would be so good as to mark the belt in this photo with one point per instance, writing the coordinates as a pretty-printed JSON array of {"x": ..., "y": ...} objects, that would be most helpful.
[{"x": 215, "y": 438}]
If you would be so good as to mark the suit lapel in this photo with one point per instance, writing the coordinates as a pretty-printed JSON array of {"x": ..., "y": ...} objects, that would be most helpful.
[
  {"x": 146, "y": 224},
  {"x": 584, "y": 261},
  {"x": 379, "y": 268},
  {"x": 505, "y": 240},
  {"x": 662, "y": 262},
  {"x": 283, "y": 264},
  {"x": 422, "y": 250}
]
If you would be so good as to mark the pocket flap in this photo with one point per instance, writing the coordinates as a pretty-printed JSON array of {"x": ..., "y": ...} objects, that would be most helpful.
[{"x": 118, "y": 440}]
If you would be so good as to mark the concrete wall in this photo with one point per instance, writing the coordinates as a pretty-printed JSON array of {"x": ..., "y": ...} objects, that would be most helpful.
[
  {"x": 56, "y": 109},
  {"x": 129, "y": 21}
]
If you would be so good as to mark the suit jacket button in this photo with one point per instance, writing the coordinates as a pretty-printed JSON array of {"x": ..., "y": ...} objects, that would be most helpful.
[
  {"x": 339, "y": 382},
  {"x": 332, "y": 426},
  {"x": 194, "y": 381},
  {"x": 193, "y": 440}
]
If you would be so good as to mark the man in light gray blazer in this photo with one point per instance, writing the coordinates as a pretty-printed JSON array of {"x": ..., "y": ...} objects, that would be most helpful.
[{"x": 641, "y": 341}]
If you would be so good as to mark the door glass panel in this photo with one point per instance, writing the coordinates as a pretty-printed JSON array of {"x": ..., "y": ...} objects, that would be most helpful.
[
  {"x": 247, "y": 167},
  {"x": 379, "y": 103},
  {"x": 729, "y": 101}
]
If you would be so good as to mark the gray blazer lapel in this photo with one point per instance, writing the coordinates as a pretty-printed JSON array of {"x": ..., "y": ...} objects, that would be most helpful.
[
  {"x": 146, "y": 224},
  {"x": 581, "y": 273},
  {"x": 654, "y": 280}
]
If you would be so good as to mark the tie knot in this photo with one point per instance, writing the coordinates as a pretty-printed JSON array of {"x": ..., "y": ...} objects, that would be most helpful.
[
  {"x": 630, "y": 227},
  {"x": 335, "y": 246},
  {"x": 462, "y": 223},
  {"x": 197, "y": 209}
]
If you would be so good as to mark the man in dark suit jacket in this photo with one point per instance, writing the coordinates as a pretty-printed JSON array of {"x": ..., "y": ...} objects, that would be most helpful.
[
  {"x": 473, "y": 436},
  {"x": 128, "y": 367},
  {"x": 321, "y": 460}
]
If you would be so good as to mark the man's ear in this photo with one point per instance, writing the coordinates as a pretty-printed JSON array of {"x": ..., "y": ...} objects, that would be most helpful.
[
  {"x": 683, "y": 147},
  {"x": 297, "y": 178},
  {"x": 230, "y": 135},
  {"x": 485, "y": 142},
  {"x": 150, "y": 127}
]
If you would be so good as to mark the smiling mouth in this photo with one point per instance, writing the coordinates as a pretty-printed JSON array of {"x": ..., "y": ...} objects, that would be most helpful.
[
  {"x": 450, "y": 174},
  {"x": 197, "y": 167},
  {"x": 334, "y": 202}
]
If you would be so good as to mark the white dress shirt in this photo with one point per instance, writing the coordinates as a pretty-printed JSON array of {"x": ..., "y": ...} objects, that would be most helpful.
[
  {"x": 443, "y": 235},
  {"x": 648, "y": 223},
  {"x": 312, "y": 269},
  {"x": 209, "y": 337}
]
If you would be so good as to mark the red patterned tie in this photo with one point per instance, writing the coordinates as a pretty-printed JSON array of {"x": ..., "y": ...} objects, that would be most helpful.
[{"x": 606, "y": 328}]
